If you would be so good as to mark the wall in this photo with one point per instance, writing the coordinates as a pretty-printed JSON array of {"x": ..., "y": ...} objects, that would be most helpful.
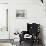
[
  {"x": 35, "y": 13},
  {"x": 4, "y": 34},
  {"x": 3, "y": 1}
]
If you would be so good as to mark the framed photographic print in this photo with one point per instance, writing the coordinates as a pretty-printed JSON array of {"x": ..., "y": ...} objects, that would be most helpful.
[{"x": 20, "y": 13}]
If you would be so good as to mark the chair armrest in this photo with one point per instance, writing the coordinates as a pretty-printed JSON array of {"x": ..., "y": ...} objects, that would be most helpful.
[
  {"x": 22, "y": 35},
  {"x": 24, "y": 32}
]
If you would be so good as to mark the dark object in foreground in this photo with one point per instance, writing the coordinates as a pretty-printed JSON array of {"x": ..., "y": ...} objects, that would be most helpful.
[
  {"x": 33, "y": 30},
  {"x": 42, "y": 1}
]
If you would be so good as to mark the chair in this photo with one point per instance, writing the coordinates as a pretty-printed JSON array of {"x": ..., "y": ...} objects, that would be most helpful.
[{"x": 33, "y": 30}]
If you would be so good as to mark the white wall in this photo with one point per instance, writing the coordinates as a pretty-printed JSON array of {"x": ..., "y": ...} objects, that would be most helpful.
[
  {"x": 35, "y": 13},
  {"x": 4, "y": 34},
  {"x": 3, "y": 1}
]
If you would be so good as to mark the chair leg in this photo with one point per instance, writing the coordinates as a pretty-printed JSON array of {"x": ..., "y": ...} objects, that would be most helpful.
[
  {"x": 32, "y": 42},
  {"x": 20, "y": 42}
]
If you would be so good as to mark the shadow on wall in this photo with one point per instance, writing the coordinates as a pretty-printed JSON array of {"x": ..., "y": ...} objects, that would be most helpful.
[{"x": 41, "y": 34}]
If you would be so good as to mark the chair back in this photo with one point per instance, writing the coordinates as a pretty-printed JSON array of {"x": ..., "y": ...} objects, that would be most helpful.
[{"x": 33, "y": 29}]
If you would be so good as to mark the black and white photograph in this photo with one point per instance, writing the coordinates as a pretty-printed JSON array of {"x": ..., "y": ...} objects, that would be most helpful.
[
  {"x": 20, "y": 13},
  {"x": 22, "y": 22}
]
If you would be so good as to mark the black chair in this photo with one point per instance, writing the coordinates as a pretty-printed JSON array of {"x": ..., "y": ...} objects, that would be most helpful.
[{"x": 32, "y": 29}]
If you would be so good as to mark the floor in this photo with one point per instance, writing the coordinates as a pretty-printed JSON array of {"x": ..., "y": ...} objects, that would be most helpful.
[
  {"x": 27, "y": 44},
  {"x": 23, "y": 44},
  {"x": 5, "y": 44}
]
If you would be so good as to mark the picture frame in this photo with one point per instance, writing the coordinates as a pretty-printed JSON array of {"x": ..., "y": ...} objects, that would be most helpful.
[{"x": 20, "y": 13}]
